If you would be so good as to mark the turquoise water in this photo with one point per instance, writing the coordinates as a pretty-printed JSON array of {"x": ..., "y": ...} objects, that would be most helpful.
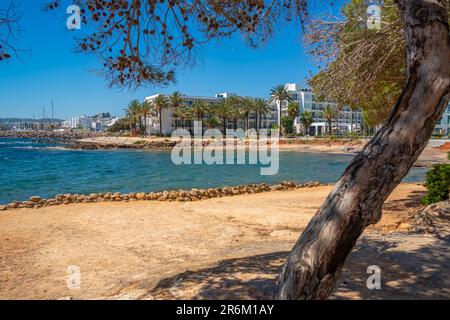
[{"x": 34, "y": 168}]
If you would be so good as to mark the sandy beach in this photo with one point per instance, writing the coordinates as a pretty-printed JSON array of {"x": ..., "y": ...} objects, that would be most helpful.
[{"x": 230, "y": 247}]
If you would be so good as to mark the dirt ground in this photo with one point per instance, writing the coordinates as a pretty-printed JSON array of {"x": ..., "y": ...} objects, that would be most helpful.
[{"x": 220, "y": 248}]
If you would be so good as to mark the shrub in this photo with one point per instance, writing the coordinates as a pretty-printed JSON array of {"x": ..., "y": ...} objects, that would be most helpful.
[
  {"x": 438, "y": 184},
  {"x": 287, "y": 124}
]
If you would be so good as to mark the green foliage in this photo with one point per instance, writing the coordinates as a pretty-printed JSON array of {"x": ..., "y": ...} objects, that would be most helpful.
[
  {"x": 306, "y": 118},
  {"x": 287, "y": 124},
  {"x": 120, "y": 125},
  {"x": 351, "y": 135},
  {"x": 293, "y": 109},
  {"x": 438, "y": 184},
  {"x": 372, "y": 82}
]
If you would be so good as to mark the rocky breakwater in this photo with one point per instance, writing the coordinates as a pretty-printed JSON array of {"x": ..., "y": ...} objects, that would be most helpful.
[
  {"x": 91, "y": 145},
  {"x": 175, "y": 195},
  {"x": 46, "y": 135}
]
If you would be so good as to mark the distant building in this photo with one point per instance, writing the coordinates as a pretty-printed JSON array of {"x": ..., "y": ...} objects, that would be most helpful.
[
  {"x": 99, "y": 122},
  {"x": 83, "y": 122},
  {"x": 225, "y": 95},
  {"x": 443, "y": 126}
]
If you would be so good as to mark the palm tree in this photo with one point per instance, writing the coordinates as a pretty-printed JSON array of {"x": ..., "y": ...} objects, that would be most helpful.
[
  {"x": 293, "y": 110},
  {"x": 337, "y": 116},
  {"x": 212, "y": 121},
  {"x": 184, "y": 113},
  {"x": 210, "y": 115},
  {"x": 262, "y": 108},
  {"x": 279, "y": 94},
  {"x": 145, "y": 111},
  {"x": 306, "y": 120},
  {"x": 224, "y": 111},
  {"x": 199, "y": 110},
  {"x": 329, "y": 113},
  {"x": 175, "y": 101},
  {"x": 247, "y": 106},
  {"x": 132, "y": 112},
  {"x": 160, "y": 103},
  {"x": 235, "y": 109}
]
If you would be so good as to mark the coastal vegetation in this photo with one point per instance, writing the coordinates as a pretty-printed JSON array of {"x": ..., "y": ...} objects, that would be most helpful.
[
  {"x": 438, "y": 184},
  {"x": 215, "y": 114},
  {"x": 280, "y": 95}
]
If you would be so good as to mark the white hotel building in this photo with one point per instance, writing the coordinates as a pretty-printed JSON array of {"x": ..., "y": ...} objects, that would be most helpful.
[
  {"x": 348, "y": 120},
  {"x": 307, "y": 101},
  {"x": 169, "y": 121}
]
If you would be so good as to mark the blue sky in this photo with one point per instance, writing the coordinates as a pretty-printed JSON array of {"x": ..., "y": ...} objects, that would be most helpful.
[{"x": 53, "y": 71}]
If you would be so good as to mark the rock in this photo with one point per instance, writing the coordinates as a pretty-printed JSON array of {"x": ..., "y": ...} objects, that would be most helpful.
[
  {"x": 277, "y": 187},
  {"x": 140, "y": 196},
  {"x": 35, "y": 199},
  {"x": 2, "y": 207},
  {"x": 14, "y": 204}
]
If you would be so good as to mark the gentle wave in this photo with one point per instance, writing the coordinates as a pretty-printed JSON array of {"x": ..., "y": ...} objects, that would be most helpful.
[
  {"x": 41, "y": 148},
  {"x": 15, "y": 142}
]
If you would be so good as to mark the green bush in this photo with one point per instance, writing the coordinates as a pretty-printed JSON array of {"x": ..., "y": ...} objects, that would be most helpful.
[
  {"x": 287, "y": 124},
  {"x": 438, "y": 184}
]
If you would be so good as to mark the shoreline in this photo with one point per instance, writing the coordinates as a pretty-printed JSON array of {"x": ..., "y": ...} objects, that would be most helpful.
[
  {"x": 181, "y": 195},
  {"x": 194, "y": 194}
]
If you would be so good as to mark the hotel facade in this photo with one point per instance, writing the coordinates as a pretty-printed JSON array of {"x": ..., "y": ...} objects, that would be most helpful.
[
  {"x": 170, "y": 122},
  {"x": 348, "y": 120},
  {"x": 443, "y": 126}
]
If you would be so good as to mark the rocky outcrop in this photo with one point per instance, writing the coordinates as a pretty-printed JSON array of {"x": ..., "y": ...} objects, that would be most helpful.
[
  {"x": 87, "y": 145},
  {"x": 175, "y": 195},
  {"x": 43, "y": 135}
]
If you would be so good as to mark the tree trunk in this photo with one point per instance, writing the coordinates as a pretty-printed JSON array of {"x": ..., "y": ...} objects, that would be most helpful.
[
  {"x": 351, "y": 121},
  {"x": 259, "y": 121},
  {"x": 316, "y": 260},
  {"x": 279, "y": 121},
  {"x": 160, "y": 121}
]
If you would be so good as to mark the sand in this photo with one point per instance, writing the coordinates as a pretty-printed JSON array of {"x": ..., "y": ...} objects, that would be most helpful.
[{"x": 220, "y": 248}]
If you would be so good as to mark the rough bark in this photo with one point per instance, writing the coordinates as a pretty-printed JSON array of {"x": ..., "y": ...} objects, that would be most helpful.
[{"x": 316, "y": 260}]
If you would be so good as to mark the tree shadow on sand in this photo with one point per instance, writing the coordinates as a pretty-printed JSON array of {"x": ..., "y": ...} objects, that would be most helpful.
[{"x": 412, "y": 267}]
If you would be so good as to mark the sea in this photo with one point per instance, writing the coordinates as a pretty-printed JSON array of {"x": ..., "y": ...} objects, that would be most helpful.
[{"x": 31, "y": 167}]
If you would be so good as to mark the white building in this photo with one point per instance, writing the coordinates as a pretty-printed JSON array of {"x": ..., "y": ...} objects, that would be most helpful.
[
  {"x": 347, "y": 120},
  {"x": 443, "y": 126},
  {"x": 99, "y": 122},
  {"x": 169, "y": 122},
  {"x": 78, "y": 123}
]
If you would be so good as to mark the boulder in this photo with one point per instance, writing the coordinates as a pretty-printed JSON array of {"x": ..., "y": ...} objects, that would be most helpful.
[
  {"x": 140, "y": 196},
  {"x": 35, "y": 199}
]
